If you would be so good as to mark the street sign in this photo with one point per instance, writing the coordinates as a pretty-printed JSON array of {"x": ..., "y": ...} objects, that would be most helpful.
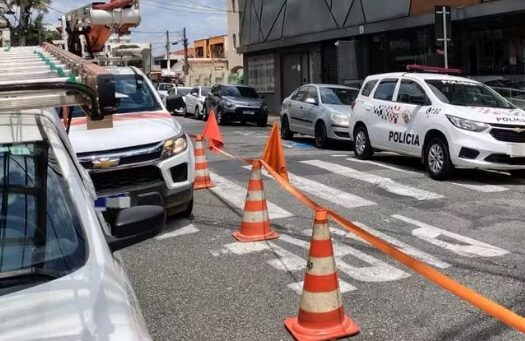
[{"x": 443, "y": 29}]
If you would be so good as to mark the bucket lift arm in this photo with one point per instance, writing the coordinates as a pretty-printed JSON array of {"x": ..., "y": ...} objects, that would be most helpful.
[{"x": 89, "y": 27}]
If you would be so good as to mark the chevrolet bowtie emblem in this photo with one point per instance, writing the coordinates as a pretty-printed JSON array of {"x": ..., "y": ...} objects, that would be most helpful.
[
  {"x": 105, "y": 163},
  {"x": 519, "y": 130}
]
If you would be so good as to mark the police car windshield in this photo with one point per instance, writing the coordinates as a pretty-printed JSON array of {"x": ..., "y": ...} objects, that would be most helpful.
[
  {"x": 465, "y": 93},
  {"x": 40, "y": 233},
  {"x": 337, "y": 96}
]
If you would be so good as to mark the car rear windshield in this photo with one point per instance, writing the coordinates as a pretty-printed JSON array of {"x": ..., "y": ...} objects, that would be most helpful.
[
  {"x": 465, "y": 93},
  {"x": 240, "y": 91},
  {"x": 134, "y": 95},
  {"x": 337, "y": 96},
  {"x": 39, "y": 226}
]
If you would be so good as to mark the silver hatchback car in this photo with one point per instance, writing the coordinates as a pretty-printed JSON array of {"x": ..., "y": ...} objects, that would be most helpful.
[{"x": 319, "y": 110}]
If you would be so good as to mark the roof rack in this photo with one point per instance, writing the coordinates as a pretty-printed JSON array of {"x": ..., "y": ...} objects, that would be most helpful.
[
  {"x": 433, "y": 69},
  {"x": 47, "y": 76}
]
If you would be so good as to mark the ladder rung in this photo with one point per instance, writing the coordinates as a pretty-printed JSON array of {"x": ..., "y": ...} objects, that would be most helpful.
[
  {"x": 33, "y": 81},
  {"x": 37, "y": 101},
  {"x": 38, "y": 68},
  {"x": 31, "y": 75}
]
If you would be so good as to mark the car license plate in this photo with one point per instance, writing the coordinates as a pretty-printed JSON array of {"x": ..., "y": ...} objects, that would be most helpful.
[
  {"x": 249, "y": 112},
  {"x": 117, "y": 201},
  {"x": 517, "y": 151}
]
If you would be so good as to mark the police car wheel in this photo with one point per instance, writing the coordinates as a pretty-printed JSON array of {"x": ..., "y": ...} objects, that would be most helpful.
[
  {"x": 437, "y": 160},
  {"x": 362, "y": 148},
  {"x": 286, "y": 133}
]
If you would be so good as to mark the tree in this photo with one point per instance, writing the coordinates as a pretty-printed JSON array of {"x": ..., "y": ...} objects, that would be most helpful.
[{"x": 26, "y": 28}]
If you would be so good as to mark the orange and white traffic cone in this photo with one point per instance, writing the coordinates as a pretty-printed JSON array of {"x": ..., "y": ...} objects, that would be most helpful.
[
  {"x": 202, "y": 174},
  {"x": 321, "y": 314},
  {"x": 255, "y": 225}
]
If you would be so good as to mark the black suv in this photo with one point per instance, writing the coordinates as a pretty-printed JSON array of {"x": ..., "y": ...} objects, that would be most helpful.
[{"x": 236, "y": 103}]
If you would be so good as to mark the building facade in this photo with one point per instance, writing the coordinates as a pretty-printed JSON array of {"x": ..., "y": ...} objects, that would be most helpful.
[
  {"x": 235, "y": 59},
  {"x": 5, "y": 33},
  {"x": 287, "y": 43}
]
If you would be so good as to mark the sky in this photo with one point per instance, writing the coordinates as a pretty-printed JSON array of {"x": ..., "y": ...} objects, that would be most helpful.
[{"x": 202, "y": 19}]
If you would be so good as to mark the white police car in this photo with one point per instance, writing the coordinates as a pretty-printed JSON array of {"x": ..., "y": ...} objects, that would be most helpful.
[{"x": 448, "y": 121}]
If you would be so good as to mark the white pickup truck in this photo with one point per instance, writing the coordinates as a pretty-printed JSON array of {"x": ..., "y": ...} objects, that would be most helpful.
[{"x": 145, "y": 158}]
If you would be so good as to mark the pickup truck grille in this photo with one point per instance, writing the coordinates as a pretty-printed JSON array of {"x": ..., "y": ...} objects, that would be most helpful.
[
  {"x": 508, "y": 135},
  {"x": 126, "y": 156},
  {"x": 122, "y": 180}
]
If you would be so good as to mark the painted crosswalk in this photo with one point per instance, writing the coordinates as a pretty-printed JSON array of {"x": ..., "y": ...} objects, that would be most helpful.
[
  {"x": 236, "y": 195},
  {"x": 385, "y": 183},
  {"x": 327, "y": 193},
  {"x": 484, "y": 188}
]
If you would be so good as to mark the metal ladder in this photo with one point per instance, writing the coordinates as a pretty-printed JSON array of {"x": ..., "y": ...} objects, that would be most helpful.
[{"x": 32, "y": 77}]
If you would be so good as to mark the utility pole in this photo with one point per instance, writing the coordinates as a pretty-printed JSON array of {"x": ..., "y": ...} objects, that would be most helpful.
[
  {"x": 185, "y": 42},
  {"x": 22, "y": 24},
  {"x": 168, "y": 53}
]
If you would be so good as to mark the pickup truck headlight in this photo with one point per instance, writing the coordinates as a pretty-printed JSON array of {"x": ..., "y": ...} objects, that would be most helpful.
[
  {"x": 340, "y": 119},
  {"x": 173, "y": 147},
  {"x": 469, "y": 125}
]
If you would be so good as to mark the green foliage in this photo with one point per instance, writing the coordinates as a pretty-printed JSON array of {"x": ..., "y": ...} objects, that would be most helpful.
[{"x": 28, "y": 28}]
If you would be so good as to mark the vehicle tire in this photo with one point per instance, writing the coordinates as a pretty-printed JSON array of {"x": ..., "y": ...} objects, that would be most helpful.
[
  {"x": 263, "y": 122},
  {"x": 204, "y": 115},
  {"x": 197, "y": 113},
  {"x": 220, "y": 118},
  {"x": 286, "y": 133},
  {"x": 185, "y": 111},
  {"x": 321, "y": 138},
  {"x": 362, "y": 148},
  {"x": 437, "y": 159}
]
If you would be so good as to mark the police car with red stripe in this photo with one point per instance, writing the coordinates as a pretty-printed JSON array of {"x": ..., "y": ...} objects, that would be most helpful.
[
  {"x": 141, "y": 157},
  {"x": 445, "y": 120}
]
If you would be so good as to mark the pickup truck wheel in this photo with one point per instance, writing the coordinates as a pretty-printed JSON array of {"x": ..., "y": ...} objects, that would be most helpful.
[
  {"x": 362, "y": 148},
  {"x": 286, "y": 133},
  {"x": 437, "y": 159}
]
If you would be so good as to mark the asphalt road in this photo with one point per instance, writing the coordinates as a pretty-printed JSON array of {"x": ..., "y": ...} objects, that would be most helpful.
[{"x": 194, "y": 282}]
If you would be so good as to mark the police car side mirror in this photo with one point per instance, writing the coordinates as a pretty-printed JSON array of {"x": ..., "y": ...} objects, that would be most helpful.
[{"x": 136, "y": 224}]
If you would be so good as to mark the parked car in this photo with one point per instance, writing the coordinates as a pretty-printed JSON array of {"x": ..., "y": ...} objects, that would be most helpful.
[
  {"x": 320, "y": 110},
  {"x": 195, "y": 101},
  {"x": 446, "y": 121},
  {"x": 236, "y": 103},
  {"x": 59, "y": 276},
  {"x": 176, "y": 100},
  {"x": 144, "y": 157},
  {"x": 163, "y": 90}
]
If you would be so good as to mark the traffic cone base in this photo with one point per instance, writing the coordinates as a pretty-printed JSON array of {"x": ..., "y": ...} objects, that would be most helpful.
[
  {"x": 321, "y": 312},
  {"x": 346, "y": 327},
  {"x": 255, "y": 225}
]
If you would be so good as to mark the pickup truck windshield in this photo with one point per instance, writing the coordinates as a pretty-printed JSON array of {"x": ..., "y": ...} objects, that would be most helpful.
[
  {"x": 40, "y": 234},
  {"x": 464, "y": 93},
  {"x": 134, "y": 95}
]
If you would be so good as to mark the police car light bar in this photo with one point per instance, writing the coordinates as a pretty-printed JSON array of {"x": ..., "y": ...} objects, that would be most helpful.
[{"x": 433, "y": 69}]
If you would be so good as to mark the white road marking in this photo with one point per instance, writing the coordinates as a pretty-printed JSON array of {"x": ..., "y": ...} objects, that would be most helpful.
[
  {"x": 431, "y": 234},
  {"x": 422, "y": 256},
  {"x": 340, "y": 155},
  {"x": 187, "y": 229},
  {"x": 377, "y": 272},
  {"x": 478, "y": 188},
  {"x": 387, "y": 184},
  {"x": 383, "y": 166},
  {"x": 327, "y": 193},
  {"x": 245, "y": 248},
  {"x": 343, "y": 287},
  {"x": 236, "y": 195},
  {"x": 482, "y": 188},
  {"x": 285, "y": 261}
]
